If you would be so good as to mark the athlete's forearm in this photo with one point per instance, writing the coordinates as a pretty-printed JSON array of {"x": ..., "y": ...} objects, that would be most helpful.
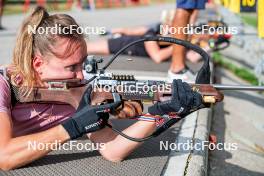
[
  {"x": 117, "y": 147},
  {"x": 158, "y": 55},
  {"x": 19, "y": 151}
]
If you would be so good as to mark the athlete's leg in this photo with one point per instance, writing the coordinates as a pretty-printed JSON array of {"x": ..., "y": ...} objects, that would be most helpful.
[
  {"x": 181, "y": 19},
  {"x": 98, "y": 47}
]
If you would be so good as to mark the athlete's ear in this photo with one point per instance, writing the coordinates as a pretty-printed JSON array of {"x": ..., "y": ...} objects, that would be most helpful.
[{"x": 37, "y": 63}]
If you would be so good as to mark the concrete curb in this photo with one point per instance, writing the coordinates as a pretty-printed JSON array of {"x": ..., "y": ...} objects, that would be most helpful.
[
  {"x": 198, "y": 162},
  {"x": 179, "y": 157},
  {"x": 193, "y": 162},
  {"x": 195, "y": 130}
]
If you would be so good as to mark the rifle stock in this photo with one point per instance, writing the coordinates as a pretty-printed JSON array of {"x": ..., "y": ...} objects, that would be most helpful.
[{"x": 71, "y": 92}]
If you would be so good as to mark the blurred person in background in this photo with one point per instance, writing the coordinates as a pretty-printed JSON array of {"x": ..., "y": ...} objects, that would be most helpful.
[
  {"x": 122, "y": 36},
  {"x": 183, "y": 16},
  {"x": 1, "y": 13}
]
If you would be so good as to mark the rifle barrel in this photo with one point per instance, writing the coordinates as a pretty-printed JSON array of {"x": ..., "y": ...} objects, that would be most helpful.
[{"x": 238, "y": 87}]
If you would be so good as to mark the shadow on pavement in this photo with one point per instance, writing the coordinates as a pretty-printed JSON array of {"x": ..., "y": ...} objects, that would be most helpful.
[
  {"x": 218, "y": 164},
  {"x": 245, "y": 96}
]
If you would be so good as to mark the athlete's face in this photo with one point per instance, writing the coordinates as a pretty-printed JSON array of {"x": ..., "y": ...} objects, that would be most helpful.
[{"x": 68, "y": 67}]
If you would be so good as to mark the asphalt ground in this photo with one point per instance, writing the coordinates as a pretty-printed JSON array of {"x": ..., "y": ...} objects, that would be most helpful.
[{"x": 238, "y": 120}]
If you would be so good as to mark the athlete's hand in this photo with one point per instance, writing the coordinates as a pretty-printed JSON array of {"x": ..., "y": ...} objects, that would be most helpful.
[
  {"x": 88, "y": 118},
  {"x": 129, "y": 109},
  {"x": 183, "y": 102}
]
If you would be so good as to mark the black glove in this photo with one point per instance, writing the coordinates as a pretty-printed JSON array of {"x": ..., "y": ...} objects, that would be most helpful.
[
  {"x": 183, "y": 102},
  {"x": 88, "y": 118}
]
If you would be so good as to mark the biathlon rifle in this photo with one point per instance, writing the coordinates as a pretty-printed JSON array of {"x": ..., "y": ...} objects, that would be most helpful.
[{"x": 71, "y": 91}]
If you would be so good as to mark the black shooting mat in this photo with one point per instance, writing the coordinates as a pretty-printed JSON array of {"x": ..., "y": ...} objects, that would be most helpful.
[{"x": 148, "y": 159}]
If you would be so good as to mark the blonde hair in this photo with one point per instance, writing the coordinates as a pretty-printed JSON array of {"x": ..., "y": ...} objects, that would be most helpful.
[{"x": 29, "y": 43}]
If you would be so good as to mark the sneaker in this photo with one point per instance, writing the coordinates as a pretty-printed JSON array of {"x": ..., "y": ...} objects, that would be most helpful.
[{"x": 186, "y": 75}]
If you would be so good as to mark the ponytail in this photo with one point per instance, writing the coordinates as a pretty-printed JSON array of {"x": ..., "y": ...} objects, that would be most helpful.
[{"x": 23, "y": 51}]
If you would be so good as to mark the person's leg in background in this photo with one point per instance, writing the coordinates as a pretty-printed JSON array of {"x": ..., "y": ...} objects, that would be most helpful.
[
  {"x": 181, "y": 19},
  {"x": 184, "y": 11},
  {"x": 1, "y": 13},
  {"x": 91, "y": 4},
  {"x": 98, "y": 47},
  {"x": 194, "y": 16}
]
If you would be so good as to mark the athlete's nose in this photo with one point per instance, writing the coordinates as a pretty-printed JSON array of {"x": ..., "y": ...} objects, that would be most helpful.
[{"x": 79, "y": 75}]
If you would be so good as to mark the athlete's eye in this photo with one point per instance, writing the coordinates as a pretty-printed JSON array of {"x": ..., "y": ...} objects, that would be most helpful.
[
  {"x": 74, "y": 68},
  {"x": 70, "y": 68}
]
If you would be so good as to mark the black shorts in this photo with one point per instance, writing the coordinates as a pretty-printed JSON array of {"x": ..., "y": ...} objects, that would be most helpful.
[{"x": 115, "y": 44}]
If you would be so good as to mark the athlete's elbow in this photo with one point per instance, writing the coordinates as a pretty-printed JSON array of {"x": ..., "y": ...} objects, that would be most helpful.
[
  {"x": 7, "y": 161},
  {"x": 5, "y": 165},
  {"x": 157, "y": 59},
  {"x": 112, "y": 157}
]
